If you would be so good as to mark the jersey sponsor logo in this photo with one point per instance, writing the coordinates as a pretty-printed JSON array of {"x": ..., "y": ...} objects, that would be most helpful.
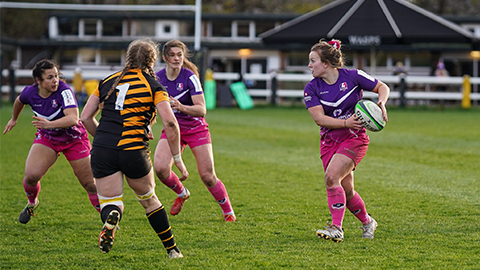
[
  {"x": 68, "y": 98},
  {"x": 343, "y": 86},
  {"x": 179, "y": 86},
  {"x": 337, "y": 112}
]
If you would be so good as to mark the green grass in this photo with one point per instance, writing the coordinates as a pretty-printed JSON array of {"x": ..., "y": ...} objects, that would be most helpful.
[{"x": 420, "y": 180}]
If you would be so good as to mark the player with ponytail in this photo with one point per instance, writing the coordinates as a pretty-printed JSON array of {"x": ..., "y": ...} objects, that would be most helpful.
[
  {"x": 129, "y": 100},
  {"x": 330, "y": 98}
]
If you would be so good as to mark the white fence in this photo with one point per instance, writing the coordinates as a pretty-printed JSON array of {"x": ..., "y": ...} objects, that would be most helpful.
[{"x": 426, "y": 84}]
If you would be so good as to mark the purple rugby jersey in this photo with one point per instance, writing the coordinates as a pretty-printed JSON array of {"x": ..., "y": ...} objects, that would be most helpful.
[
  {"x": 51, "y": 108},
  {"x": 183, "y": 88},
  {"x": 339, "y": 99}
]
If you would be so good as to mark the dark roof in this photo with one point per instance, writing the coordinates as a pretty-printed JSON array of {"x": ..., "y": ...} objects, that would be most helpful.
[{"x": 368, "y": 22}]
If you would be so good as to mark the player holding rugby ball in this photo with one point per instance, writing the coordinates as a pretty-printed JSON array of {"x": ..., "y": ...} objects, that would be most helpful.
[{"x": 330, "y": 98}]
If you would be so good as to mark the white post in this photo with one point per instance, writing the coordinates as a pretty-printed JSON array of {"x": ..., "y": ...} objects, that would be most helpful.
[{"x": 198, "y": 24}]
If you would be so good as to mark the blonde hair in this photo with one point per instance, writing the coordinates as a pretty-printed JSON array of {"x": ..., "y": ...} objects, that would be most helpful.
[
  {"x": 141, "y": 54},
  {"x": 330, "y": 51},
  {"x": 186, "y": 54}
]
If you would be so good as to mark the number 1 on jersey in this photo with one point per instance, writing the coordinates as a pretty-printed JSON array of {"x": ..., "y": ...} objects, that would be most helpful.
[{"x": 122, "y": 92}]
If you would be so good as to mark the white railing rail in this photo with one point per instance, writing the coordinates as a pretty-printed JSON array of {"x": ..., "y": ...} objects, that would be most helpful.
[{"x": 421, "y": 82}]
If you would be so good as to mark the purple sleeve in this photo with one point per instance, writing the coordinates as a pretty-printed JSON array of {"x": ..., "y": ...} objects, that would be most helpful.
[
  {"x": 366, "y": 81},
  {"x": 309, "y": 95}
]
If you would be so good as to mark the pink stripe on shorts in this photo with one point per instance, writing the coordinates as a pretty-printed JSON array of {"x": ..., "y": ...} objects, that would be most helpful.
[{"x": 354, "y": 148}]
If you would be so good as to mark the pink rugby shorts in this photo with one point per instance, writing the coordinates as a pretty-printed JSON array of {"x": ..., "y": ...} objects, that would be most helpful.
[
  {"x": 193, "y": 140},
  {"x": 72, "y": 150},
  {"x": 354, "y": 148}
]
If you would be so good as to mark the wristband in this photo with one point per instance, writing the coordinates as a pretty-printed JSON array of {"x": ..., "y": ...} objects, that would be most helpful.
[
  {"x": 177, "y": 157},
  {"x": 345, "y": 122}
]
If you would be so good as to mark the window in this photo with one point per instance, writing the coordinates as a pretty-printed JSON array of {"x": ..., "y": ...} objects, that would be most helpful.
[
  {"x": 144, "y": 28},
  {"x": 90, "y": 27},
  {"x": 68, "y": 26},
  {"x": 221, "y": 28},
  {"x": 243, "y": 29},
  {"x": 112, "y": 28}
]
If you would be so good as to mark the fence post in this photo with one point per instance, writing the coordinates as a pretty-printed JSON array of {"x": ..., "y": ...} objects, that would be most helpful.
[
  {"x": 11, "y": 77},
  {"x": 466, "y": 103},
  {"x": 273, "y": 97},
  {"x": 403, "y": 87}
]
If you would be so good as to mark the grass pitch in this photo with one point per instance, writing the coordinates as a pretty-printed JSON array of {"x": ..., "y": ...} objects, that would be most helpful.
[{"x": 420, "y": 180}]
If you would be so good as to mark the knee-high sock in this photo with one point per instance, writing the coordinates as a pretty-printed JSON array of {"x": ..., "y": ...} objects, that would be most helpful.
[
  {"x": 106, "y": 211},
  {"x": 220, "y": 194},
  {"x": 357, "y": 207},
  {"x": 336, "y": 204},
  {"x": 159, "y": 221},
  {"x": 32, "y": 192},
  {"x": 173, "y": 183},
  {"x": 94, "y": 201}
]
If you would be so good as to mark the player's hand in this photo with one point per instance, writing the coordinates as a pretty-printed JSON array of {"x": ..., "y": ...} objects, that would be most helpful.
[
  {"x": 150, "y": 133},
  {"x": 384, "y": 110},
  {"x": 175, "y": 104},
  {"x": 10, "y": 125},
  {"x": 353, "y": 122},
  {"x": 40, "y": 122},
  {"x": 181, "y": 167}
]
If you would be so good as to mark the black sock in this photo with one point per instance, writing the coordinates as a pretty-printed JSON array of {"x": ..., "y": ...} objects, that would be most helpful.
[
  {"x": 159, "y": 222},
  {"x": 107, "y": 209}
]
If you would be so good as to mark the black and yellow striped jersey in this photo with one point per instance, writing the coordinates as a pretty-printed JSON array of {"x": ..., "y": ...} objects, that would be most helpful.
[{"x": 128, "y": 111}]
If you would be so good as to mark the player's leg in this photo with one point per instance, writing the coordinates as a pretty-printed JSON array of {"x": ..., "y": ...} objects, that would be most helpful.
[
  {"x": 82, "y": 170},
  {"x": 163, "y": 162},
  {"x": 39, "y": 160},
  {"x": 356, "y": 206},
  {"x": 110, "y": 195},
  {"x": 144, "y": 189},
  {"x": 205, "y": 164},
  {"x": 78, "y": 154},
  {"x": 338, "y": 167}
]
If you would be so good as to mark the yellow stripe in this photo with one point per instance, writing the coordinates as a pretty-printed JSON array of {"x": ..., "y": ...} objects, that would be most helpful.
[
  {"x": 109, "y": 201},
  {"x": 168, "y": 248},
  {"x": 166, "y": 240},
  {"x": 156, "y": 210},
  {"x": 169, "y": 228}
]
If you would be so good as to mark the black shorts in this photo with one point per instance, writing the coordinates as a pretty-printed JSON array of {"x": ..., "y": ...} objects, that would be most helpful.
[{"x": 132, "y": 163}]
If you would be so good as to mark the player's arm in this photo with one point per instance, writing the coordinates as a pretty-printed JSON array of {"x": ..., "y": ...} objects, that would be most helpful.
[
  {"x": 90, "y": 110},
  {"x": 172, "y": 131},
  {"x": 383, "y": 92},
  {"x": 69, "y": 120},
  {"x": 318, "y": 115},
  {"x": 17, "y": 109},
  {"x": 198, "y": 109}
]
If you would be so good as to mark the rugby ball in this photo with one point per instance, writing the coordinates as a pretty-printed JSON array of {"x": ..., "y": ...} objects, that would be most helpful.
[{"x": 370, "y": 114}]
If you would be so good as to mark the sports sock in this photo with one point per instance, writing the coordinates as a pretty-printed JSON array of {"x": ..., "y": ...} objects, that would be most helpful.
[
  {"x": 173, "y": 183},
  {"x": 159, "y": 221},
  {"x": 357, "y": 207},
  {"x": 220, "y": 194},
  {"x": 94, "y": 201},
  {"x": 336, "y": 204},
  {"x": 32, "y": 192},
  {"x": 106, "y": 211}
]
